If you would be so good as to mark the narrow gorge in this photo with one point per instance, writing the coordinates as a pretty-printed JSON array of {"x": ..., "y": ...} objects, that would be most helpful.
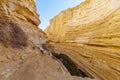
[
  {"x": 90, "y": 35},
  {"x": 25, "y": 52},
  {"x": 81, "y": 43}
]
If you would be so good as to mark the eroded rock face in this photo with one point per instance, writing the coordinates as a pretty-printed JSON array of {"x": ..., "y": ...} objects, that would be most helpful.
[
  {"x": 89, "y": 34},
  {"x": 23, "y": 45}
]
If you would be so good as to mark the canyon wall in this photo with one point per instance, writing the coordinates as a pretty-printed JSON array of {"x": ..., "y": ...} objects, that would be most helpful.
[
  {"x": 90, "y": 35},
  {"x": 22, "y": 55}
]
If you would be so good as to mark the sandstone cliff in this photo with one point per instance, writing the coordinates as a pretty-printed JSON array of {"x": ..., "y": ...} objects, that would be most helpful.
[
  {"x": 23, "y": 45},
  {"x": 90, "y": 34}
]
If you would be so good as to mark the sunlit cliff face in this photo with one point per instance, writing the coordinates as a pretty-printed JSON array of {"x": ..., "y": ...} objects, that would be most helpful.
[
  {"x": 89, "y": 34},
  {"x": 20, "y": 12},
  {"x": 84, "y": 38},
  {"x": 24, "y": 48}
]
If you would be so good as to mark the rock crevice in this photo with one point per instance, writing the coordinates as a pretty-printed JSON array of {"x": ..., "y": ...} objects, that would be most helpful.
[
  {"x": 23, "y": 45},
  {"x": 89, "y": 34}
]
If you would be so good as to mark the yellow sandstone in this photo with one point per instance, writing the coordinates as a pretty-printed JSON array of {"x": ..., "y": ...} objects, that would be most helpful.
[{"x": 90, "y": 34}]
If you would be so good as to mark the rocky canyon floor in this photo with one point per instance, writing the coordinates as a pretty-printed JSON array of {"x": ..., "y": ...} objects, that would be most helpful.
[{"x": 81, "y": 43}]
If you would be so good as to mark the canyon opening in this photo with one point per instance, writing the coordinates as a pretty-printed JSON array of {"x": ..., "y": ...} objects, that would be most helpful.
[{"x": 81, "y": 42}]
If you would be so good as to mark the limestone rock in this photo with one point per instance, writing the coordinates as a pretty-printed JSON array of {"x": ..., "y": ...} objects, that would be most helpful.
[
  {"x": 21, "y": 45},
  {"x": 90, "y": 34}
]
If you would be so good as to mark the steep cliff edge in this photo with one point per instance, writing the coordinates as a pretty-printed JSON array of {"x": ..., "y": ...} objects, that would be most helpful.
[
  {"x": 22, "y": 55},
  {"x": 89, "y": 34}
]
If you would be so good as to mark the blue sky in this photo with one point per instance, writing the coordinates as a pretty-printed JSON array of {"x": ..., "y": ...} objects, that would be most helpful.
[{"x": 49, "y": 8}]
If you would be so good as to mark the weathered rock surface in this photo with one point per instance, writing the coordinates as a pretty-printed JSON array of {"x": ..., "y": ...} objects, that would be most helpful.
[
  {"x": 22, "y": 45},
  {"x": 90, "y": 34}
]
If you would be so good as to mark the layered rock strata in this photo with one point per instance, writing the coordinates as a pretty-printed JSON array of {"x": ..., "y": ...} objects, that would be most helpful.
[
  {"x": 21, "y": 45},
  {"x": 89, "y": 34}
]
